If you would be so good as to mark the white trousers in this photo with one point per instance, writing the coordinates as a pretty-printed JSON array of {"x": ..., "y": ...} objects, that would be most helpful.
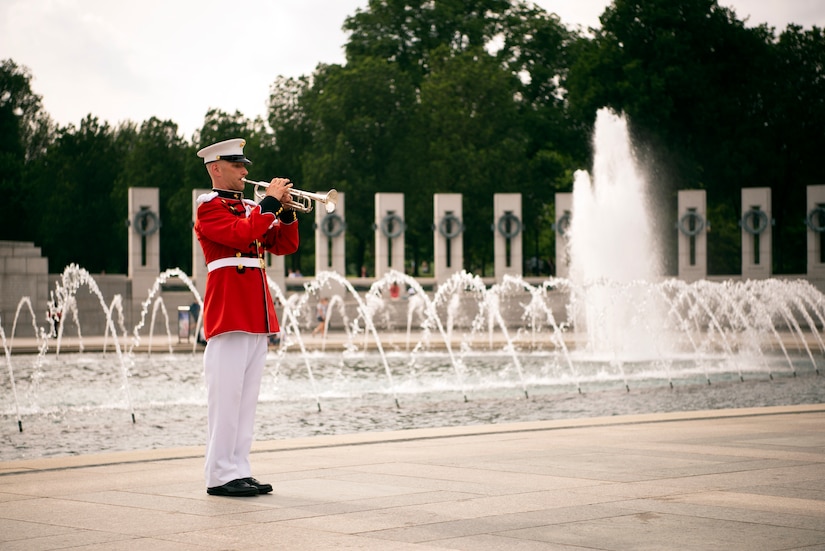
[{"x": 233, "y": 365}]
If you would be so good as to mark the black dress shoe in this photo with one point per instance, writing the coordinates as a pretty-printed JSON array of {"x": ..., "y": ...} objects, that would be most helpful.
[
  {"x": 262, "y": 488},
  {"x": 236, "y": 488}
]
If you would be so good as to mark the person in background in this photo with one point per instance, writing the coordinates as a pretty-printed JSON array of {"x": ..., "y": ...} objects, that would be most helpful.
[
  {"x": 194, "y": 315},
  {"x": 54, "y": 317},
  {"x": 321, "y": 316},
  {"x": 238, "y": 312}
]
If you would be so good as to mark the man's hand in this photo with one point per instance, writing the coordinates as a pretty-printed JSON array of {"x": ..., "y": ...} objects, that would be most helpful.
[{"x": 279, "y": 189}]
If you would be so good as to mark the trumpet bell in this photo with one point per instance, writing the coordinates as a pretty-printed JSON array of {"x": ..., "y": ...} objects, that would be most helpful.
[{"x": 331, "y": 201}]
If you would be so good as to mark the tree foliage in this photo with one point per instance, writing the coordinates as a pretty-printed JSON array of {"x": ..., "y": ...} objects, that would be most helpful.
[
  {"x": 455, "y": 96},
  {"x": 74, "y": 183},
  {"x": 700, "y": 90},
  {"x": 24, "y": 132}
]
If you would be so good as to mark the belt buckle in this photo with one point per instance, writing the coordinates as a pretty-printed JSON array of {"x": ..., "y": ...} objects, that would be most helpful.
[{"x": 241, "y": 268}]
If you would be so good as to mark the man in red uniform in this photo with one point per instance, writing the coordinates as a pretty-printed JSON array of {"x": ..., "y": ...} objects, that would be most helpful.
[{"x": 238, "y": 313}]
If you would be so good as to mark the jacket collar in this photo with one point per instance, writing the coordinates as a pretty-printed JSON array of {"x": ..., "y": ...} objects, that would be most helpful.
[{"x": 229, "y": 194}]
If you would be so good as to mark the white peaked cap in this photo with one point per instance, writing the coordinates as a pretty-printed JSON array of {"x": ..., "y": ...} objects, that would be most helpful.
[{"x": 229, "y": 150}]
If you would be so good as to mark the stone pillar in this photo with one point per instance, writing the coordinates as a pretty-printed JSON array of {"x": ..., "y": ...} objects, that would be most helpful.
[
  {"x": 507, "y": 231},
  {"x": 693, "y": 228},
  {"x": 144, "y": 243},
  {"x": 198, "y": 261},
  {"x": 389, "y": 233},
  {"x": 24, "y": 272},
  {"x": 815, "y": 220},
  {"x": 330, "y": 243},
  {"x": 330, "y": 239},
  {"x": 756, "y": 223},
  {"x": 448, "y": 249},
  {"x": 276, "y": 271},
  {"x": 564, "y": 215}
]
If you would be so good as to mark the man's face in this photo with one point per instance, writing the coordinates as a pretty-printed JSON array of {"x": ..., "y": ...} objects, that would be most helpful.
[{"x": 227, "y": 175}]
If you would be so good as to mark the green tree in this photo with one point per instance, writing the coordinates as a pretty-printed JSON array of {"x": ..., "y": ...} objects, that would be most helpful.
[
  {"x": 446, "y": 49},
  {"x": 691, "y": 78},
  {"x": 794, "y": 114},
  {"x": 473, "y": 146},
  {"x": 475, "y": 97},
  {"x": 75, "y": 180},
  {"x": 156, "y": 158},
  {"x": 359, "y": 120},
  {"x": 25, "y": 131},
  {"x": 291, "y": 135},
  {"x": 538, "y": 49},
  {"x": 406, "y": 32}
]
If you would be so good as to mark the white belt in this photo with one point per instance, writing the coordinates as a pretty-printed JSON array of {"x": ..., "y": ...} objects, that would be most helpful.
[{"x": 235, "y": 262}]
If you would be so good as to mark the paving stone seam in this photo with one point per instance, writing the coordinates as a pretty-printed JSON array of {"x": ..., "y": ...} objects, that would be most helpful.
[{"x": 24, "y": 466}]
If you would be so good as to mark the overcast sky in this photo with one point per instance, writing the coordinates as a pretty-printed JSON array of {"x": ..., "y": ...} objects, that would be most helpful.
[{"x": 176, "y": 59}]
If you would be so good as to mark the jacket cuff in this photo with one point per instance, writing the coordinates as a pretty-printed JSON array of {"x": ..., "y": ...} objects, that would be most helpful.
[
  {"x": 271, "y": 205},
  {"x": 287, "y": 216}
]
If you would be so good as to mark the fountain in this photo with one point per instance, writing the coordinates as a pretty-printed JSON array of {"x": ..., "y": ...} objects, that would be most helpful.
[
  {"x": 612, "y": 246},
  {"x": 606, "y": 341},
  {"x": 626, "y": 307}
]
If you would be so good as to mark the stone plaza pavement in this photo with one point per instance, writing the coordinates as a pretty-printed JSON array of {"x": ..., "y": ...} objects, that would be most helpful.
[{"x": 749, "y": 479}]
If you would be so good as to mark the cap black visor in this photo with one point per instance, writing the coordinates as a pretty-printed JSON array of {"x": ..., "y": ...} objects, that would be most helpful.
[{"x": 235, "y": 159}]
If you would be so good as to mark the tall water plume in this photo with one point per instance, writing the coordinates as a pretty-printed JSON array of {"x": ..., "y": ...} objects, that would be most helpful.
[{"x": 613, "y": 250}]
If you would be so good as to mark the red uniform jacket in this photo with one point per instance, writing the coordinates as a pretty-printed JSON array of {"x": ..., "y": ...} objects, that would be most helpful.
[{"x": 230, "y": 227}]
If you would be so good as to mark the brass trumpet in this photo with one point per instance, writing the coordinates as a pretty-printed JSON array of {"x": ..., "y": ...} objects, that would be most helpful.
[{"x": 301, "y": 200}]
